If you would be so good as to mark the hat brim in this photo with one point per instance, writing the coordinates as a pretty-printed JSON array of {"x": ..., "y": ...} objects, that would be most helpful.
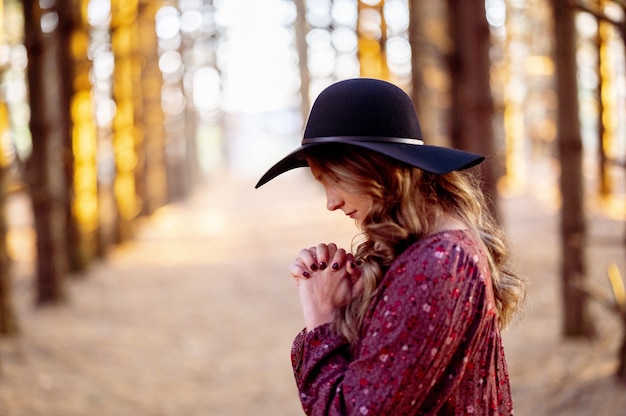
[{"x": 435, "y": 159}]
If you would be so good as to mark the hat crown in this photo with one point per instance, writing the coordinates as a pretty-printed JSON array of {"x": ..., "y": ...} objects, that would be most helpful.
[
  {"x": 375, "y": 115},
  {"x": 363, "y": 107}
]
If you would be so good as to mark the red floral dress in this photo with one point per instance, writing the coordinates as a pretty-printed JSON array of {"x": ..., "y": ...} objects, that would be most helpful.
[{"x": 429, "y": 344}]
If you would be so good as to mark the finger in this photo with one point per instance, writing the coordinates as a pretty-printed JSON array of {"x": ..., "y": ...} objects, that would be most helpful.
[
  {"x": 354, "y": 272},
  {"x": 322, "y": 256},
  {"x": 314, "y": 262},
  {"x": 307, "y": 256},
  {"x": 351, "y": 266},
  {"x": 339, "y": 259},
  {"x": 298, "y": 270},
  {"x": 332, "y": 248},
  {"x": 294, "y": 270}
]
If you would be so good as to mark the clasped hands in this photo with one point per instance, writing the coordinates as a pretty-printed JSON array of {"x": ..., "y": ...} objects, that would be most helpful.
[{"x": 327, "y": 278}]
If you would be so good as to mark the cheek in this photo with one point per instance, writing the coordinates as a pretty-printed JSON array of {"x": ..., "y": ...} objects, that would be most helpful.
[{"x": 366, "y": 204}]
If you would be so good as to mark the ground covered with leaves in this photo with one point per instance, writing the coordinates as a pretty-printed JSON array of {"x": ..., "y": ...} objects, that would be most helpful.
[{"x": 196, "y": 315}]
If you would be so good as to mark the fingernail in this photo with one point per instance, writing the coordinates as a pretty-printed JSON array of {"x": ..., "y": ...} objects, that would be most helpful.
[
  {"x": 306, "y": 274},
  {"x": 335, "y": 266},
  {"x": 322, "y": 265},
  {"x": 314, "y": 267}
]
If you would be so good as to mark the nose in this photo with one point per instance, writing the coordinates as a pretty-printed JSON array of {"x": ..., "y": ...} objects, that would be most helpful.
[{"x": 333, "y": 199}]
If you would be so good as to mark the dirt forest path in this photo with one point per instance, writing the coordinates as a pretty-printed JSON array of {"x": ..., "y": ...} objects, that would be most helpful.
[{"x": 196, "y": 315}]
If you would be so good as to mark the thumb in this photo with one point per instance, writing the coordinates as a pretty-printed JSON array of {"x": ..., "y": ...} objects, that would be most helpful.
[{"x": 354, "y": 272}]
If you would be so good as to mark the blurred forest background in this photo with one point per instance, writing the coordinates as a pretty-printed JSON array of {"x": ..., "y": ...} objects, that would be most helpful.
[{"x": 112, "y": 109}]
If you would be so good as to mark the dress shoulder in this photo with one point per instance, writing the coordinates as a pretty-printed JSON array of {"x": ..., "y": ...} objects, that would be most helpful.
[{"x": 442, "y": 243}]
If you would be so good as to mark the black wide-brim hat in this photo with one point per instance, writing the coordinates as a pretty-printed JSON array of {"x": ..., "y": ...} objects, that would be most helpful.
[{"x": 375, "y": 115}]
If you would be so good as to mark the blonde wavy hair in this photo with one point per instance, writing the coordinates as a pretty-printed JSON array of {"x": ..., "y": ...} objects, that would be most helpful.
[{"x": 407, "y": 204}]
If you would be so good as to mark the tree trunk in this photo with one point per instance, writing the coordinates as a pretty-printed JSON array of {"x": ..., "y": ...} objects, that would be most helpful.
[
  {"x": 424, "y": 59},
  {"x": 81, "y": 170},
  {"x": 46, "y": 168},
  {"x": 621, "y": 368},
  {"x": 301, "y": 29},
  {"x": 371, "y": 45},
  {"x": 471, "y": 113},
  {"x": 577, "y": 321},
  {"x": 152, "y": 179},
  {"x": 127, "y": 134},
  {"x": 416, "y": 41},
  {"x": 8, "y": 321}
]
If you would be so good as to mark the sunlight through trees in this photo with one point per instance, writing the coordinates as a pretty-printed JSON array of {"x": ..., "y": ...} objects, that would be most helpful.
[{"x": 111, "y": 109}]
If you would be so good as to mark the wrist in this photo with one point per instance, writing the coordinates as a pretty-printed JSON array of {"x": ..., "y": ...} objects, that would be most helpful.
[{"x": 314, "y": 320}]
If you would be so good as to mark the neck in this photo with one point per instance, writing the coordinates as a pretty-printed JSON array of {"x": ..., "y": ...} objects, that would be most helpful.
[{"x": 448, "y": 223}]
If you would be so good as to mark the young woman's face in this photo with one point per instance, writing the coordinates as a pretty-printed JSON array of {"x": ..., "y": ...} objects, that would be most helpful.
[{"x": 354, "y": 205}]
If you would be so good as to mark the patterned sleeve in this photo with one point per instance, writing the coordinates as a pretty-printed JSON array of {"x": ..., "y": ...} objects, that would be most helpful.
[{"x": 415, "y": 344}]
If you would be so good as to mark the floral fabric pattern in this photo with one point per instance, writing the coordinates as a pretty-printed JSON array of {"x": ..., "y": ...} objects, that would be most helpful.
[{"x": 429, "y": 345}]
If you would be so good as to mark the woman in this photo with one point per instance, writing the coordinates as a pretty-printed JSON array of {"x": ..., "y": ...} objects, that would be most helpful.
[{"x": 408, "y": 324}]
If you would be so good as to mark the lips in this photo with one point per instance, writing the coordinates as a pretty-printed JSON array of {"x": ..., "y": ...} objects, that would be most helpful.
[{"x": 350, "y": 214}]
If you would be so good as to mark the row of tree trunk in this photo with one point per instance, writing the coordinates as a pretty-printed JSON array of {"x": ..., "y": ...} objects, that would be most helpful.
[
  {"x": 53, "y": 80},
  {"x": 77, "y": 216}
]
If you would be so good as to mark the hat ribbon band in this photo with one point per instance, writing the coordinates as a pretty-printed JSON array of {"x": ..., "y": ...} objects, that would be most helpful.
[{"x": 348, "y": 139}]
